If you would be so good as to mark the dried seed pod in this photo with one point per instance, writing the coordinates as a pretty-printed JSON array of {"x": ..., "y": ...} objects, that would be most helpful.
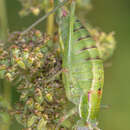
[
  {"x": 49, "y": 97},
  {"x": 30, "y": 103},
  {"x": 21, "y": 64},
  {"x": 38, "y": 95},
  {"x": 42, "y": 124},
  {"x": 9, "y": 76},
  {"x": 38, "y": 107},
  {"x": 24, "y": 96},
  {"x": 31, "y": 120}
]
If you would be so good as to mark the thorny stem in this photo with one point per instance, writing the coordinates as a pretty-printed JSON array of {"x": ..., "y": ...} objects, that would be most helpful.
[{"x": 44, "y": 17}]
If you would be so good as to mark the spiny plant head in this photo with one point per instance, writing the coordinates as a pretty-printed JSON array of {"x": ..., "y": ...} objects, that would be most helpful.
[
  {"x": 30, "y": 64},
  {"x": 25, "y": 55}
]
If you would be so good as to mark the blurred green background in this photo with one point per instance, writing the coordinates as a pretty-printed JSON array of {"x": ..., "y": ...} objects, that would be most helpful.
[
  {"x": 115, "y": 15},
  {"x": 109, "y": 15}
]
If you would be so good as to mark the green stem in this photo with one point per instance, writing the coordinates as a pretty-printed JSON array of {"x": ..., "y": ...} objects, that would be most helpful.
[
  {"x": 3, "y": 38},
  {"x": 59, "y": 22},
  {"x": 50, "y": 20},
  {"x": 3, "y": 22}
]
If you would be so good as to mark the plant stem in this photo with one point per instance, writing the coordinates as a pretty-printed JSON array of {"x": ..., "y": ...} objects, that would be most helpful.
[
  {"x": 44, "y": 17},
  {"x": 3, "y": 21},
  {"x": 50, "y": 20},
  {"x": 3, "y": 38},
  {"x": 59, "y": 22}
]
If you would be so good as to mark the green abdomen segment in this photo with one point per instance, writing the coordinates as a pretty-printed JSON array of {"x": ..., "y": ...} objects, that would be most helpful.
[{"x": 84, "y": 77}]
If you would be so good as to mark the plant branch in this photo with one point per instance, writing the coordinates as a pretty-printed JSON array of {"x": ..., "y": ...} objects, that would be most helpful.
[
  {"x": 50, "y": 20},
  {"x": 44, "y": 17}
]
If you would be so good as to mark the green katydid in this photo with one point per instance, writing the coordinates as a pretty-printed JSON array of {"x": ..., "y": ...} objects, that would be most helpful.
[{"x": 84, "y": 76}]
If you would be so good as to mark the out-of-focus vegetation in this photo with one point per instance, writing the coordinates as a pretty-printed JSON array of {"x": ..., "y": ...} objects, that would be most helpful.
[
  {"x": 114, "y": 15},
  {"x": 109, "y": 16}
]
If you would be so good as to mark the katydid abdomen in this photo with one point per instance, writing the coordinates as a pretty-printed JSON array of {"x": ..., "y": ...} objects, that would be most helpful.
[{"x": 84, "y": 74}]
